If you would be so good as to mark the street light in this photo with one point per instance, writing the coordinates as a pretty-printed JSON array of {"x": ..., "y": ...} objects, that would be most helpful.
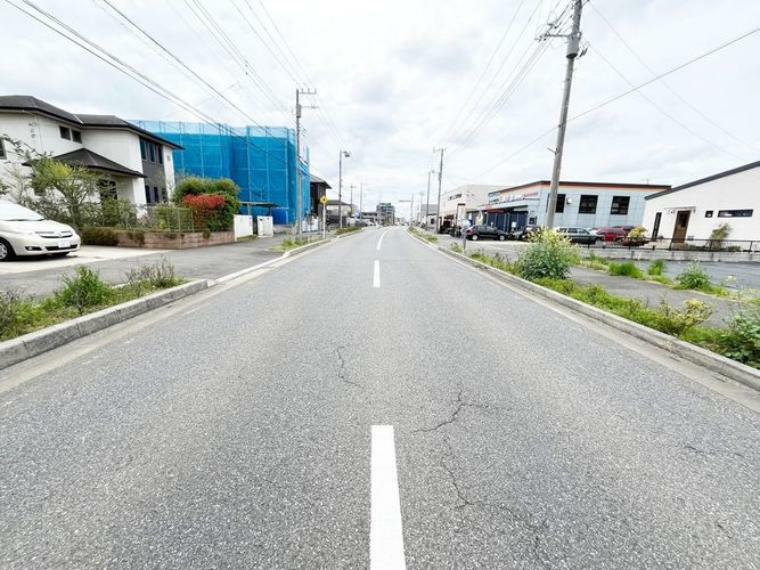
[{"x": 347, "y": 154}]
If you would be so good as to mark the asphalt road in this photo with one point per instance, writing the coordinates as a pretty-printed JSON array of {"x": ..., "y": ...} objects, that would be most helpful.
[{"x": 237, "y": 430}]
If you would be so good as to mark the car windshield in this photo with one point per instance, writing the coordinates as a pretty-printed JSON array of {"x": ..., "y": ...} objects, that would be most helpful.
[{"x": 16, "y": 213}]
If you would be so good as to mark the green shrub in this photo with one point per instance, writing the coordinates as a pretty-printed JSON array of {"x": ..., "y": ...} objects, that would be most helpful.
[
  {"x": 742, "y": 339},
  {"x": 550, "y": 255},
  {"x": 665, "y": 318},
  {"x": 696, "y": 278},
  {"x": 718, "y": 236},
  {"x": 347, "y": 230},
  {"x": 99, "y": 236},
  {"x": 595, "y": 262},
  {"x": 117, "y": 213},
  {"x": 160, "y": 275},
  {"x": 137, "y": 235},
  {"x": 627, "y": 269},
  {"x": 84, "y": 290},
  {"x": 656, "y": 268},
  {"x": 456, "y": 248},
  {"x": 497, "y": 261}
]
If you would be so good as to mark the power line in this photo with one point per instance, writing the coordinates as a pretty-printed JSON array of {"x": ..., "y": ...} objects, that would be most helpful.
[
  {"x": 663, "y": 111},
  {"x": 496, "y": 75},
  {"x": 624, "y": 94},
  {"x": 667, "y": 86},
  {"x": 118, "y": 64},
  {"x": 485, "y": 69}
]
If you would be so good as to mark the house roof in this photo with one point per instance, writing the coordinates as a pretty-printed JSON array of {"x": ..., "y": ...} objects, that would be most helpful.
[
  {"x": 94, "y": 161},
  {"x": 114, "y": 122},
  {"x": 589, "y": 185},
  {"x": 317, "y": 180},
  {"x": 30, "y": 104},
  {"x": 736, "y": 170},
  {"x": 336, "y": 203},
  {"x": 34, "y": 105}
]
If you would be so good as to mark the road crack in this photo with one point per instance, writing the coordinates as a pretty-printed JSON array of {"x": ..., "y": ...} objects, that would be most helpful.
[
  {"x": 535, "y": 530},
  {"x": 460, "y": 405},
  {"x": 342, "y": 373}
]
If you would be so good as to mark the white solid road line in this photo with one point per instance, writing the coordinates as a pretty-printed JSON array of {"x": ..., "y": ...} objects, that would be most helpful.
[
  {"x": 380, "y": 241},
  {"x": 386, "y": 538},
  {"x": 376, "y": 275}
]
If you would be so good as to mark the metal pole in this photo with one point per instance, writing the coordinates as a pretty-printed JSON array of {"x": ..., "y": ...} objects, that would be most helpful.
[
  {"x": 427, "y": 201},
  {"x": 361, "y": 194},
  {"x": 351, "y": 201},
  {"x": 440, "y": 177},
  {"x": 340, "y": 189},
  {"x": 299, "y": 205},
  {"x": 324, "y": 220},
  {"x": 573, "y": 46}
]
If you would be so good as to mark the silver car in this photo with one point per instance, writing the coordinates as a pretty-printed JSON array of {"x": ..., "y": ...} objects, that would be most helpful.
[{"x": 23, "y": 232}]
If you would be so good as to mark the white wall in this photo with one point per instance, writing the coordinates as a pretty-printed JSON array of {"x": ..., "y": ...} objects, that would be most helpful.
[
  {"x": 471, "y": 195},
  {"x": 740, "y": 191}
]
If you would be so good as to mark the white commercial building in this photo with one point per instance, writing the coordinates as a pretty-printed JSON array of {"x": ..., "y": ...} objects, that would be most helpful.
[
  {"x": 579, "y": 204},
  {"x": 692, "y": 211},
  {"x": 136, "y": 165}
]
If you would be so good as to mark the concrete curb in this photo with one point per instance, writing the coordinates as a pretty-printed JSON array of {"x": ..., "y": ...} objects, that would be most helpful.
[
  {"x": 716, "y": 363},
  {"x": 15, "y": 350}
]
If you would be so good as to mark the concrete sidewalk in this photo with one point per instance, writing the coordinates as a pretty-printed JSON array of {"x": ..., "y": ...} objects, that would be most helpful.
[{"x": 45, "y": 275}]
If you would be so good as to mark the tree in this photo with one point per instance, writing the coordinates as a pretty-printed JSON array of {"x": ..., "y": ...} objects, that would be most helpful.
[{"x": 65, "y": 189}]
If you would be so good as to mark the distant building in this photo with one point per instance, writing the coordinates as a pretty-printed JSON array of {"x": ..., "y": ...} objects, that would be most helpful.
[
  {"x": 694, "y": 210},
  {"x": 135, "y": 164},
  {"x": 386, "y": 214},
  {"x": 261, "y": 160},
  {"x": 427, "y": 214},
  {"x": 456, "y": 202},
  {"x": 369, "y": 216},
  {"x": 579, "y": 204}
]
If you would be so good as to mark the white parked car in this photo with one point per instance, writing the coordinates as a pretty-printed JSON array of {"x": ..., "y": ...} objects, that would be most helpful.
[{"x": 23, "y": 232}]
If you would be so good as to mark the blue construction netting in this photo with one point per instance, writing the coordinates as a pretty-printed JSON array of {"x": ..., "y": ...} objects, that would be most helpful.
[{"x": 261, "y": 160}]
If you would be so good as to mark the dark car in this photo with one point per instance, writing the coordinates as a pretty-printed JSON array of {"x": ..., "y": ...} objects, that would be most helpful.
[
  {"x": 524, "y": 233},
  {"x": 580, "y": 235},
  {"x": 486, "y": 232}
]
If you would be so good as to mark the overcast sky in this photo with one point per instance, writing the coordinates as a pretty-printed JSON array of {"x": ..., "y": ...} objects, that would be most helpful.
[{"x": 393, "y": 79}]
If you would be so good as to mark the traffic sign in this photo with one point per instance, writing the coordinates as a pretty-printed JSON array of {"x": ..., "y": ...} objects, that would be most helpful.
[{"x": 323, "y": 200}]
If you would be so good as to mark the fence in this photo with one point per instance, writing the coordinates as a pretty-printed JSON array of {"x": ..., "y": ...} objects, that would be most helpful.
[
  {"x": 167, "y": 217},
  {"x": 724, "y": 245}
]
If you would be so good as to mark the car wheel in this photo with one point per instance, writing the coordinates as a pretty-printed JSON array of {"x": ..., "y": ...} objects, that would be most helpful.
[
  {"x": 474, "y": 237},
  {"x": 6, "y": 251},
  {"x": 502, "y": 237}
]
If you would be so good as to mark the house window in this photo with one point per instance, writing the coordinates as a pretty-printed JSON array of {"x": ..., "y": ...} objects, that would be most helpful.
[
  {"x": 735, "y": 213},
  {"x": 620, "y": 205},
  {"x": 156, "y": 195},
  {"x": 160, "y": 155},
  {"x": 148, "y": 197},
  {"x": 65, "y": 133},
  {"x": 560, "y": 203},
  {"x": 152, "y": 149},
  {"x": 588, "y": 204},
  {"x": 164, "y": 195},
  {"x": 143, "y": 150},
  {"x": 76, "y": 136},
  {"x": 709, "y": 214},
  {"x": 2, "y": 149}
]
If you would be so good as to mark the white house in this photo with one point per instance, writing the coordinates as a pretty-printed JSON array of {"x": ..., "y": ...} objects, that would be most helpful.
[
  {"x": 579, "y": 204},
  {"x": 136, "y": 164},
  {"x": 692, "y": 211}
]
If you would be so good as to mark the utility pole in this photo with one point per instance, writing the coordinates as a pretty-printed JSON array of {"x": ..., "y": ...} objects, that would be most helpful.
[
  {"x": 299, "y": 188},
  {"x": 351, "y": 201},
  {"x": 347, "y": 154},
  {"x": 361, "y": 195},
  {"x": 573, "y": 47},
  {"x": 440, "y": 177},
  {"x": 427, "y": 200}
]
